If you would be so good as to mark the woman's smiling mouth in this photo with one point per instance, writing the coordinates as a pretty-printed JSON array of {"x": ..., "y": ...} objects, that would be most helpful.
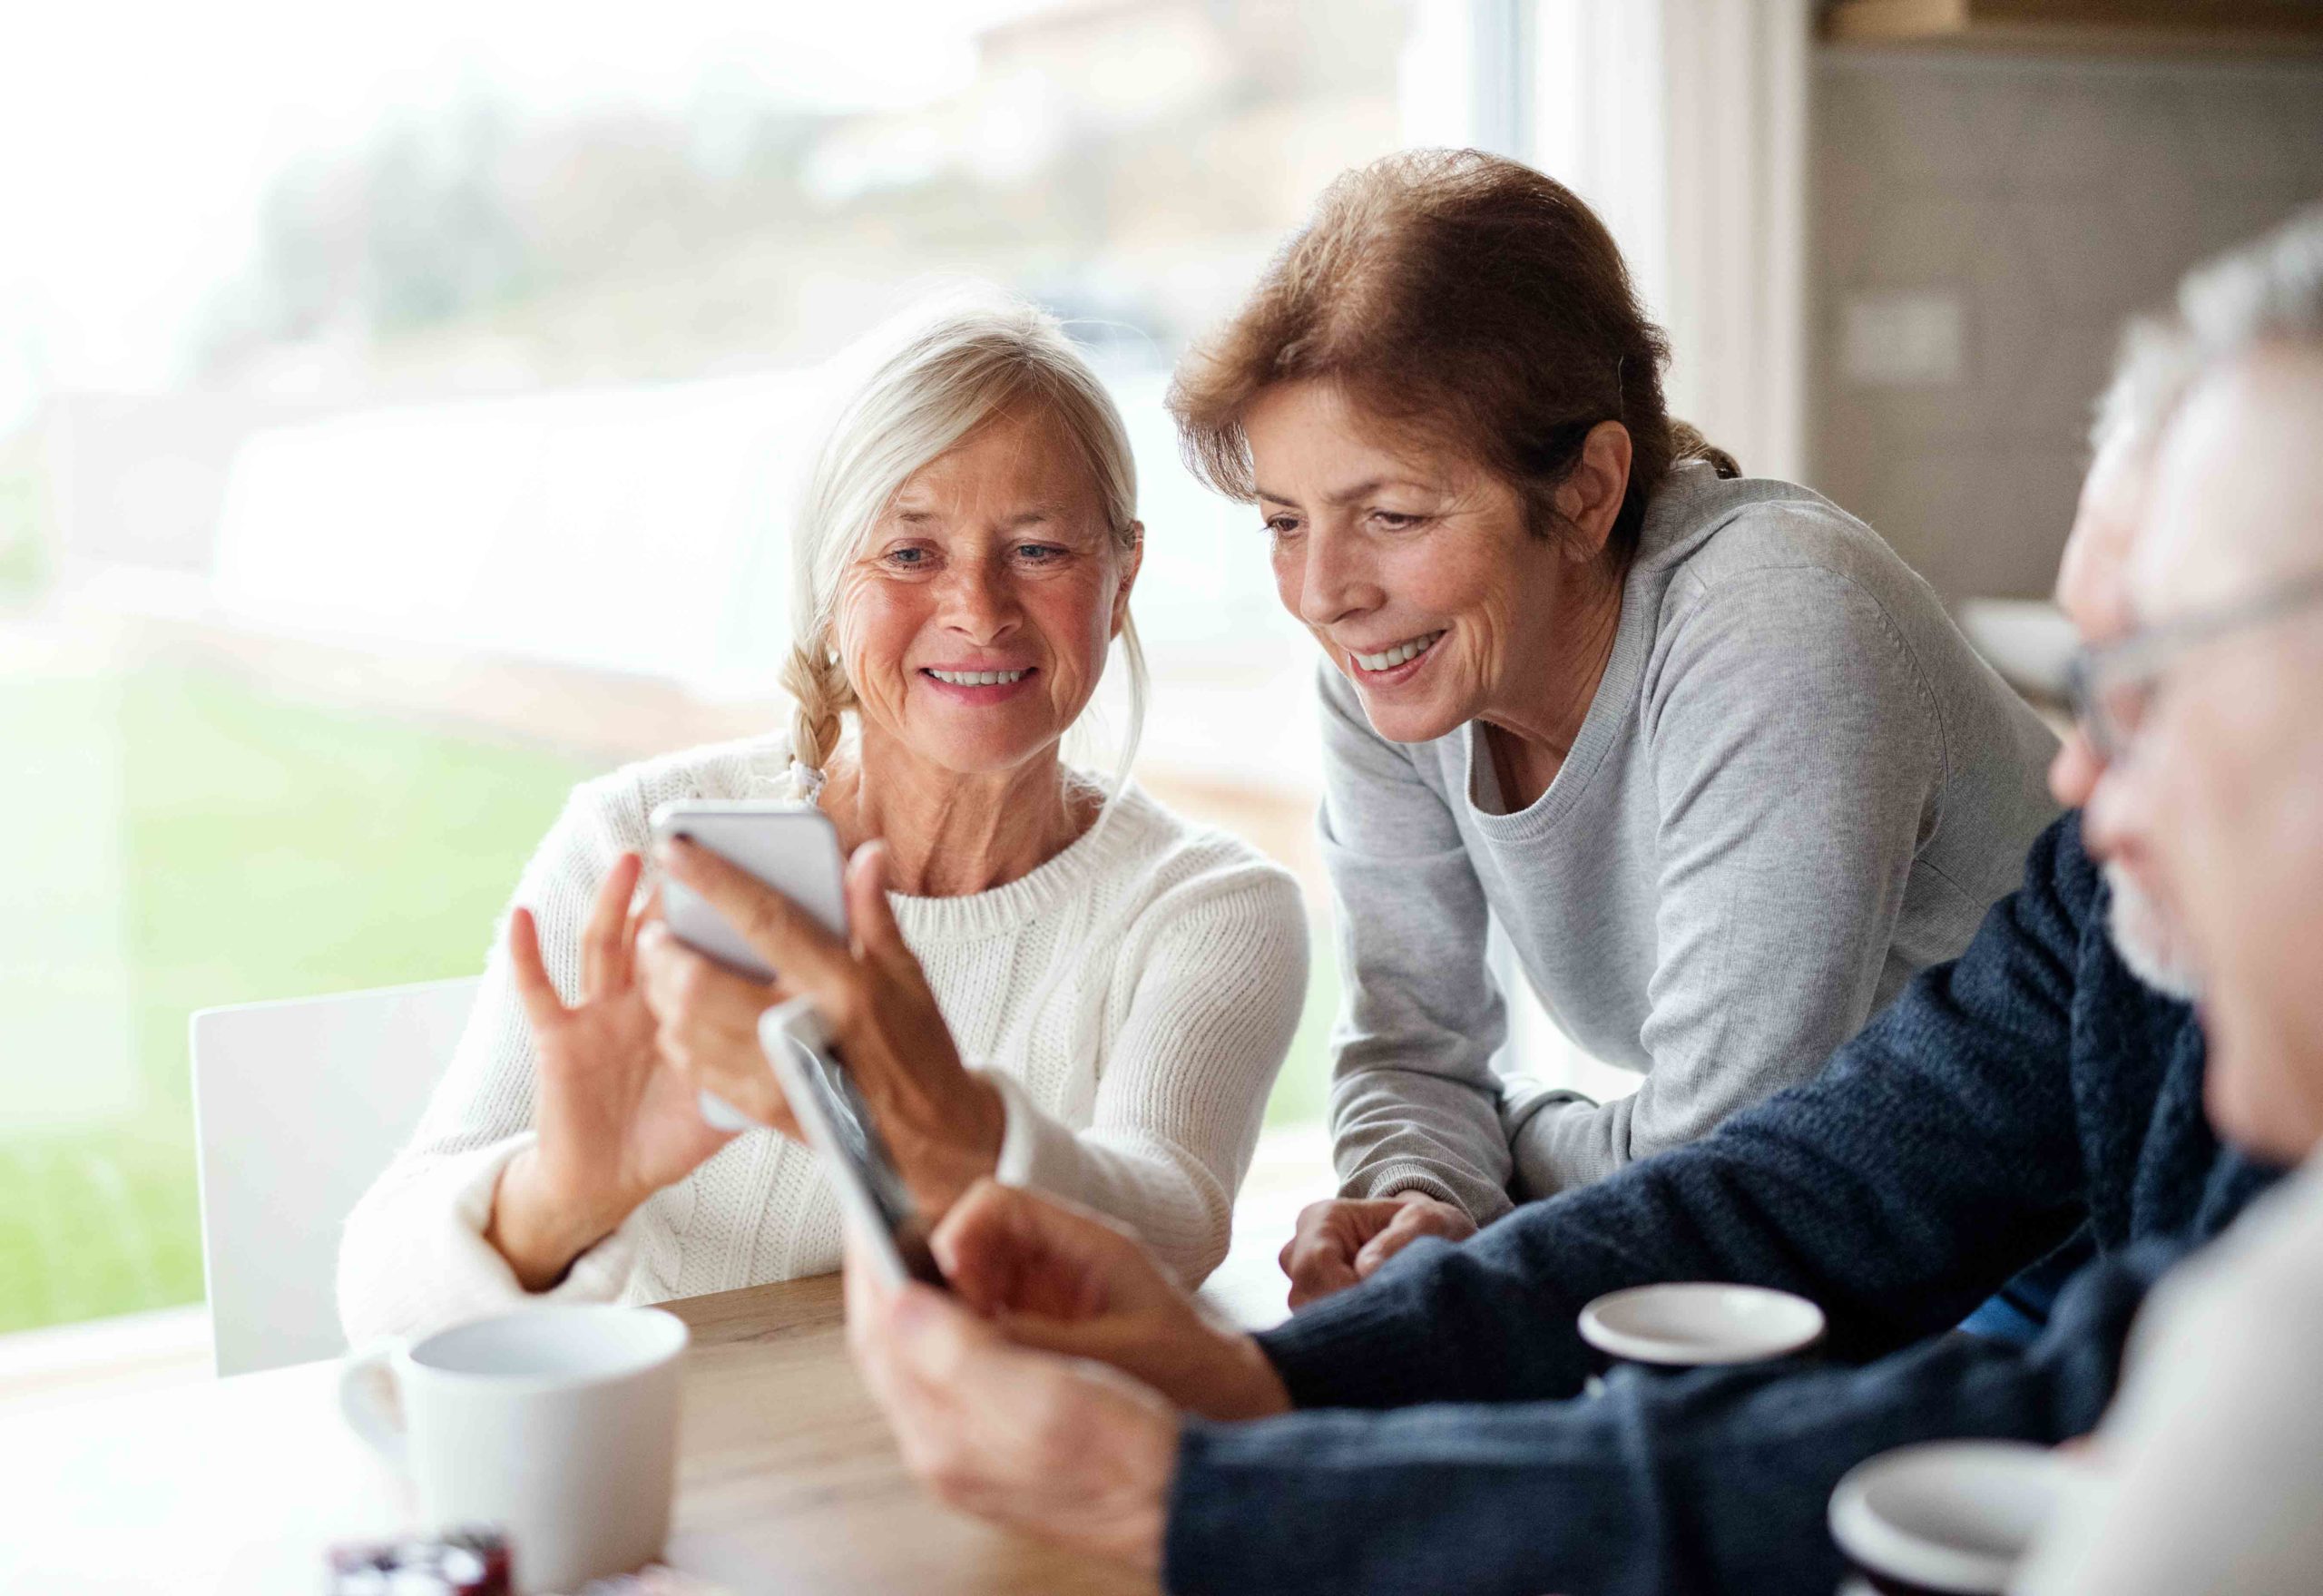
[
  {"x": 1396, "y": 663},
  {"x": 979, "y": 687},
  {"x": 978, "y": 678}
]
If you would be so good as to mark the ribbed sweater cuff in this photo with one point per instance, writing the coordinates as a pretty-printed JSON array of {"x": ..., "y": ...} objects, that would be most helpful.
[
  {"x": 1036, "y": 1151},
  {"x": 1480, "y": 1200},
  {"x": 470, "y": 1278}
]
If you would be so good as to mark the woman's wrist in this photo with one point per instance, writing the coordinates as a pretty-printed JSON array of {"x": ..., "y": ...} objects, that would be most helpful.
[
  {"x": 539, "y": 1233},
  {"x": 943, "y": 1148}
]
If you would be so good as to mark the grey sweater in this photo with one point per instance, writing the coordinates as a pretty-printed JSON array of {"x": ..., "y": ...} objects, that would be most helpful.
[{"x": 1796, "y": 786}]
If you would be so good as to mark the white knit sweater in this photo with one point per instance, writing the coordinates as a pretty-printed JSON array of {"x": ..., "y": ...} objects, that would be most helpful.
[{"x": 1133, "y": 997}]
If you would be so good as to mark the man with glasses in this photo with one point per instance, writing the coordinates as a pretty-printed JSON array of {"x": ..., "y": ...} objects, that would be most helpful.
[
  {"x": 2213, "y": 791},
  {"x": 2047, "y": 1086}
]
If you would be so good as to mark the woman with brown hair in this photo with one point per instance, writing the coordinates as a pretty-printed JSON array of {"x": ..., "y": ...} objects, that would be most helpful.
[{"x": 1715, "y": 760}]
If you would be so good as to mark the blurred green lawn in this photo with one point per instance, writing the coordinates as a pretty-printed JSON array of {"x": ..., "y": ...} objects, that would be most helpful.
[
  {"x": 267, "y": 849},
  {"x": 179, "y": 838}
]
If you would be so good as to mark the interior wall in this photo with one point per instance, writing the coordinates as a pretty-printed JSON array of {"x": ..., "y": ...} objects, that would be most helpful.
[{"x": 1979, "y": 227}]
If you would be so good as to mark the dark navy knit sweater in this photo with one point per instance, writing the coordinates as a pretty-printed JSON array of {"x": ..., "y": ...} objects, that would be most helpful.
[{"x": 2031, "y": 1091}]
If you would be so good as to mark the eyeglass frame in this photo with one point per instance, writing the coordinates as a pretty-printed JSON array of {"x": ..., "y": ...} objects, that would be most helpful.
[{"x": 2139, "y": 659}]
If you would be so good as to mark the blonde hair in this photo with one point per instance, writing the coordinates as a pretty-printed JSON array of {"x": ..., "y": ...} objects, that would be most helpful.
[{"x": 948, "y": 368}]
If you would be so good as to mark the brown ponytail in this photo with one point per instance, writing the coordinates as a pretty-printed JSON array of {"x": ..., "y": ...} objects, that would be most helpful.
[{"x": 1687, "y": 443}]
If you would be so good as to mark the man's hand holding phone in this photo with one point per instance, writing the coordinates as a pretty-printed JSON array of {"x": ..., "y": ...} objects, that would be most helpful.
[{"x": 1079, "y": 1448}]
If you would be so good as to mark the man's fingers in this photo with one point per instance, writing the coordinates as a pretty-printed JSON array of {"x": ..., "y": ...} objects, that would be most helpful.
[
  {"x": 777, "y": 930},
  {"x": 1006, "y": 1248},
  {"x": 1120, "y": 1340},
  {"x": 991, "y": 1215},
  {"x": 912, "y": 1335},
  {"x": 602, "y": 939},
  {"x": 538, "y": 993},
  {"x": 984, "y": 1246},
  {"x": 951, "y": 1387}
]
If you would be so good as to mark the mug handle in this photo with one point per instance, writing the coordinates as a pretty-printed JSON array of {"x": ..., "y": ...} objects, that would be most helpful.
[{"x": 365, "y": 1379}]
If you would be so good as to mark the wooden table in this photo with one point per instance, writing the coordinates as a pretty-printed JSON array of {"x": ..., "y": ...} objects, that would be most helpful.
[{"x": 789, "y": 1481}]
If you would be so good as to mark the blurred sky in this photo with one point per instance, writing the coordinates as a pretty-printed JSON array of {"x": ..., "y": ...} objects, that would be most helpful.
[{"x": 136, "y": 140}]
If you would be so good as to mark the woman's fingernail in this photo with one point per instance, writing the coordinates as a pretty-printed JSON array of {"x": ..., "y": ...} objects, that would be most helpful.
[{"x": 652, "y": 934}]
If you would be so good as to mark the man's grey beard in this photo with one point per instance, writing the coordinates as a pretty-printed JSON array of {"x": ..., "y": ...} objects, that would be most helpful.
[{"x": 2148, "y": 944}]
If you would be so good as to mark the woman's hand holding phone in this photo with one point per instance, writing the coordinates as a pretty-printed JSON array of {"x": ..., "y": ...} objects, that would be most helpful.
[
  {"x": 706, "y": 1025},
  {"x": 942, "y": 1124},
  {"x": 616, "y": 1121}
]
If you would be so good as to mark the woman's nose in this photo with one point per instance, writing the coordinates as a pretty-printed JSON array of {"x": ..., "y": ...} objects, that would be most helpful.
[
  {"x": 980, "y": 601},
  {"x": 1334, "y": 579}
]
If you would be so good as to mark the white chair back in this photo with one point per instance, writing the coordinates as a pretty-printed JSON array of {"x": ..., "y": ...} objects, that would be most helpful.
[{"x": 297, "y": 1107}]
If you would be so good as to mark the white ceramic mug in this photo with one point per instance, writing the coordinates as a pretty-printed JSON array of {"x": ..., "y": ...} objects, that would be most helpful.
[
  {"x": 558, "y": 1424},
  {"x": 1947, "y": 1517},
  {"x": 1696, "y": 1324}
]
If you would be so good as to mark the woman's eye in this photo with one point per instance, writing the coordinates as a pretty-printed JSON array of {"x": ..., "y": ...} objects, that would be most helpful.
[
  {"x": 906, "y": 559},
  {"x": 1282, "y": 526},
  {"x": 1039, "y": 553},
  {"x": 1396, "y": 520}
]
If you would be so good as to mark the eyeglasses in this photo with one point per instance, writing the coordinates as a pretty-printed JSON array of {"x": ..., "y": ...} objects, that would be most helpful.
[{"x": 2111, "y": 686}]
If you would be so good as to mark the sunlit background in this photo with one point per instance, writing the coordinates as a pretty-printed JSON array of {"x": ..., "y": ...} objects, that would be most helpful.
[
  {"x": 399, "y": 407},
  {"x": 401, "y": 413}
]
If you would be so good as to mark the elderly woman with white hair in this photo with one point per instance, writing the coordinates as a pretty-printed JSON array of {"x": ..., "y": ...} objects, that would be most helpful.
[{"x": 1051, "y": 980}]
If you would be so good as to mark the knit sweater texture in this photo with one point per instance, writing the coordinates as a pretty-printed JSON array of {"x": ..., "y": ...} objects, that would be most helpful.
[
  {"x": 2028, "y": 1092},
  {"x": 1133, "y": 997}
]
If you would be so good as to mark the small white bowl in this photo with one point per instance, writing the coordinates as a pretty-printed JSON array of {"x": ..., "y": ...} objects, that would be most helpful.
[
  {"x": 1697, "y": 1324},
  {"x": 1953, "y": 1517}
]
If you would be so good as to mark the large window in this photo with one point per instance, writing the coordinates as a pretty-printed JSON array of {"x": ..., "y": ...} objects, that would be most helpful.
[{"x": 396, "y": 421}]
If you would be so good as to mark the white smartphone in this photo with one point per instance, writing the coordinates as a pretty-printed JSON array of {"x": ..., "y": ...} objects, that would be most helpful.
[
  {"x": 872, "y": 1196},
  {"x": 790, "y": 847}
]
